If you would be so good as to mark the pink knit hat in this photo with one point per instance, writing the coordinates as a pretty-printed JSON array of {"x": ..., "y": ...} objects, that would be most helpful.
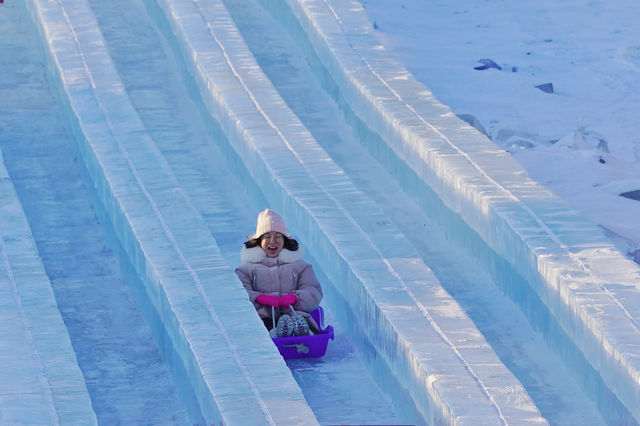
[{"x": 270, "y": 221}]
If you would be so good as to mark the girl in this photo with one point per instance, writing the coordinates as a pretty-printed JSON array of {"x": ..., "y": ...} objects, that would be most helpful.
[{"x": 274, "y": 274}]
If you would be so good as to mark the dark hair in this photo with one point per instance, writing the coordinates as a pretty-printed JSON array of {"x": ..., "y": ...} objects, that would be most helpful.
[{"x": 289, "y": 243}]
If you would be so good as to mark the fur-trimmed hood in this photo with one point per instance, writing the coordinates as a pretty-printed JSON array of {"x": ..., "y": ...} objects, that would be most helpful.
[
  {"x": 284, "y": 274},
  {"x": 257, "y": 255}
]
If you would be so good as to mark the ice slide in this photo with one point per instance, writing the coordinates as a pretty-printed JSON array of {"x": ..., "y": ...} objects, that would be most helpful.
[{"x": 472, "y": 297}]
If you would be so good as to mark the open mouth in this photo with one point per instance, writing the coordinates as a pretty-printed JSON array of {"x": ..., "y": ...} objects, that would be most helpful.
[{"x": 272, "y": 250}]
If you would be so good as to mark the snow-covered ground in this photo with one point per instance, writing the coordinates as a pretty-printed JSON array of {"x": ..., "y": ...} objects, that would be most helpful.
[{"x": 554, "y": 83}]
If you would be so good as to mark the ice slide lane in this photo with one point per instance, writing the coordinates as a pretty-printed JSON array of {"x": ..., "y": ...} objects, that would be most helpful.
[
  {"x": 104, "y": 366},
  {"x": 590, "y": 289},
  {"x": 195, "y": 152},
  {"x": 170, "y": 248},
  {"x": 558, "y": 396},
  {"x": 420, "y": 332},
  {"x": 39, "y": 375}
]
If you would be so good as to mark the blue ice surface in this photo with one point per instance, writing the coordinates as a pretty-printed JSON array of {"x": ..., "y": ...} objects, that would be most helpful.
[
  {"x": 171, "y": 246},
  {"x": 40, "y": 381}
]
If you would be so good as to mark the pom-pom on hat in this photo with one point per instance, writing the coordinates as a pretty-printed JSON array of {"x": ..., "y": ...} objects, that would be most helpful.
[{"x": 270, "y": 221}]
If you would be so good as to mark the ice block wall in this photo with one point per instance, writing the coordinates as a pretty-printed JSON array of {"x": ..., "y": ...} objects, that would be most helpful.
[
  {"x": 425, "y": 337},
  {"x": 186, "y": 279},
  {"x": 592, "y": 289},
  {"x": 427, "y": 340},
  {"x": 40, "y": 381}
]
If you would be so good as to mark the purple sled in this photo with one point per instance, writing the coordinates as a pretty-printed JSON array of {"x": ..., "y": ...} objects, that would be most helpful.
[{"x": 312, "y": 346}]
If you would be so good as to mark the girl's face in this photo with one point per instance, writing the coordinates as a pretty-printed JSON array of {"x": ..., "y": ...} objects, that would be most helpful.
[{"x": 272, "y": 243}]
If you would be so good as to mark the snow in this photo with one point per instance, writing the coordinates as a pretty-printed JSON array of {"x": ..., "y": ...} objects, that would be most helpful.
[{"x": 581, "y": 141}]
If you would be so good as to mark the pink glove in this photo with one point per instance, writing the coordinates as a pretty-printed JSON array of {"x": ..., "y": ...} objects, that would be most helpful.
[
  {"x": 268, "y": 299},
  {"x": 288, "y": 299}
]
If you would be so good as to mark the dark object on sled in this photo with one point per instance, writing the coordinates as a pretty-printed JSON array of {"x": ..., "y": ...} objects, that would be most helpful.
[{"x": 312, "y": 346}]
